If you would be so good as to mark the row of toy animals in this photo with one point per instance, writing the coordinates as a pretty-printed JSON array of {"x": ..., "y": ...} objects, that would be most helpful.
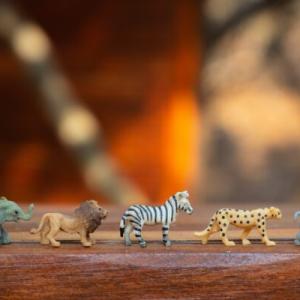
[{"x": 89, "y": 215}]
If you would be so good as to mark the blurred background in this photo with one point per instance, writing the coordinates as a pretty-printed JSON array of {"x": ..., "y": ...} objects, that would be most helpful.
[{"x": 131, "y": 101}]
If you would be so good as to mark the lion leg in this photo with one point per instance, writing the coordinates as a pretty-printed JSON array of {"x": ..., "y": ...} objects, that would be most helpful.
[
  {"x": 88, "y": 237},
  {"x": 127, "y": 232},
  {"x": 54, "y": 228},
  {"x": 244, "y": 235},
  {"x": 43, "y": 235},
  {"x": 83, "y": 239},
  {"x": 51, "y": 235}
]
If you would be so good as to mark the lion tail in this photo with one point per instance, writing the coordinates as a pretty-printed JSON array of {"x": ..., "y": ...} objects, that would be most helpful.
[{"x": 42, "y": 223}]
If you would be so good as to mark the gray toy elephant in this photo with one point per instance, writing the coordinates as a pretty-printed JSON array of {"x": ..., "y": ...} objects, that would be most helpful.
[
  {"x": 297, "y": 240},
  {"x": 11, "y": 212}
]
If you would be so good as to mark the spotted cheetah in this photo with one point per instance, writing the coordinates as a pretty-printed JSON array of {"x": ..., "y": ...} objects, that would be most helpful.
[{"x": 247, "y": 219}]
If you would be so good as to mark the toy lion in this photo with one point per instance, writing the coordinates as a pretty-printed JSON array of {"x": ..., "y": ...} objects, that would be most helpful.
[{"x": 87, "y": 217}]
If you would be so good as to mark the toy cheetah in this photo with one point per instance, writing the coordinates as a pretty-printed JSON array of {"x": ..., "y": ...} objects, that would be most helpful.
[{"x": 247, "y": 219}]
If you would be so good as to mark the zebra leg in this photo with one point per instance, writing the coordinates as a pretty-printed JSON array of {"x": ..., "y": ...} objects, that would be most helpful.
[
  {"x": 127, "y": 231},
  {"x": 165, "y": 235},
  {"x": 138, "y": 234}
]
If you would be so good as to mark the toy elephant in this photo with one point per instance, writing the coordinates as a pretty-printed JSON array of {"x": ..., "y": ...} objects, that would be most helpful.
[
  {"x": 11, "y": 212},
  {"x": 297, "y": 240}
]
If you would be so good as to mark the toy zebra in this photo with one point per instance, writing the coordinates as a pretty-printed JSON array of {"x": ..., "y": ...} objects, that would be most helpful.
[{"x": 137, "y": 215}]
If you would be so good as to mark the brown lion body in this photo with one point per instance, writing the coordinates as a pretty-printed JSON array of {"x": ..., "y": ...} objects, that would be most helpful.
[{"x": 87, "y": 217}]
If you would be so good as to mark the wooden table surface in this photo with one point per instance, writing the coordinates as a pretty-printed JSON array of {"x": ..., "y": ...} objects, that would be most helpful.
[{"x": 186, "y": 270}]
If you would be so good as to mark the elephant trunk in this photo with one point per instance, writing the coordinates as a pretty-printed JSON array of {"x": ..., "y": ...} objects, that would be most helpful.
[
  {"x": 297, "y": 214},
  {"x": 26, "y": 216}
]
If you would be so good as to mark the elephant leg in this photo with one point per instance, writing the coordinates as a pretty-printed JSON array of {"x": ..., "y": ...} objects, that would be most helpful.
[
  {"x": 297, "y": 241},
  {"x": 4, "y": 238},
  {"x": 1, "y": 234},
  {"x": 43, "y": 235}
]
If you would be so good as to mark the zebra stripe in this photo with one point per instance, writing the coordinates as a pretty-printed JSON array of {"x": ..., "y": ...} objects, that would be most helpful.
[
  {"x": 166, "y": 209},
  {"x": 160, "y": 214},
  {"x": 175, "y": 202},
  {"x": 152, "y": 213},
  {"x": 170, "y": 211},
  {"x": 156, "y": 214},
  {"x": 136, "y": 211},
  {"x": 173, "y": 209},
  {"x": 144, "y": 211}
]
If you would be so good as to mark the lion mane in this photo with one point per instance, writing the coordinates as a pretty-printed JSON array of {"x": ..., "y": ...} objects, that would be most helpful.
[{"x": 91, "y": 214}]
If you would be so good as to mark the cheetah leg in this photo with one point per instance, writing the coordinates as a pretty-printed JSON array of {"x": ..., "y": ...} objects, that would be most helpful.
[
  {"x": 244, "y": 235},
  {"x": 165, "y": 235},
  {"x": 204, "y": 239},
  {"x": 263, "y": 232},
  {"x": 210, "y": 231},
  {"x": 127, "y": 232},
  {"x": 223, "y": 231}
]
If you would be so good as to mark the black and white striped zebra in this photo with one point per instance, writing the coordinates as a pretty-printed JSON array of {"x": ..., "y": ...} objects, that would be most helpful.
[{"x": 136, "y": 216}]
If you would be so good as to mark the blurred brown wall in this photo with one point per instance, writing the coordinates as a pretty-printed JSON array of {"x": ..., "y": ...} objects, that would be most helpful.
[{"x": 135, "y": 65}]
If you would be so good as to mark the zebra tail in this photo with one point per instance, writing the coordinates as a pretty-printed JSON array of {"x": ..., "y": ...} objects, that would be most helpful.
[
  {"x": 122, "y": 225},
  {"x": 204, "y": 232}
]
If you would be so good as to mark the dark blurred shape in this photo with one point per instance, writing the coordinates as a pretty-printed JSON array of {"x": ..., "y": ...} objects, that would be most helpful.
[{"x": 250, "y": 93}]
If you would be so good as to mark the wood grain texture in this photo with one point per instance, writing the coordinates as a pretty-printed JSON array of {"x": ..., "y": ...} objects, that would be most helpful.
[{"x": 186, "y": 270}]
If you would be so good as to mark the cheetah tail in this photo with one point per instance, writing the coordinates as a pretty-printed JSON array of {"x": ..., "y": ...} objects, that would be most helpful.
[
  {"x": 200, "y": 233},
  {"x": 210, "y": 225}
]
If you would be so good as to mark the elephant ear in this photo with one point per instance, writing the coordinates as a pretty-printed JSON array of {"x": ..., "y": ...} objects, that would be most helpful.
[{"x": 4, "y": 203}]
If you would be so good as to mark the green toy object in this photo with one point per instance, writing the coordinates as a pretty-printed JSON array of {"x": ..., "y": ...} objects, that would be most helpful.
[
  {"x": 11, "y": 212},
  {"x": 297, "y": 240}
]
